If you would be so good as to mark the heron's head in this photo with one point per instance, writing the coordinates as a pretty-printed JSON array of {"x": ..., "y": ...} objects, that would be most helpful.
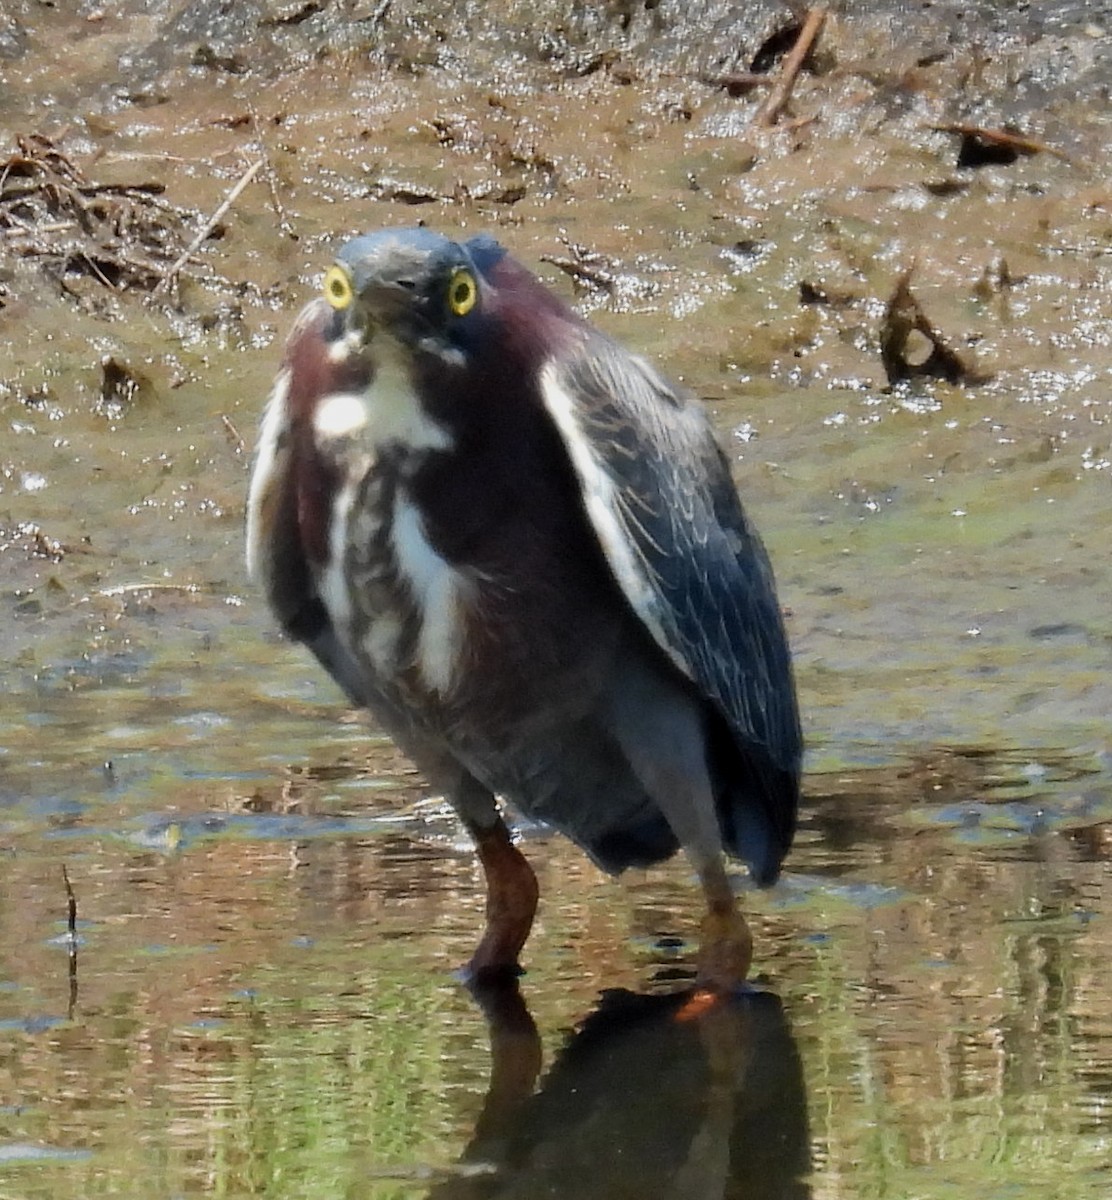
[{"x": 416, "y": 292}]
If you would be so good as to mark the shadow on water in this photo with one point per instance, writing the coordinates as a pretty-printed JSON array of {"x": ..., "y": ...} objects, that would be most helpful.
[{"x": 648, "y": 1097}]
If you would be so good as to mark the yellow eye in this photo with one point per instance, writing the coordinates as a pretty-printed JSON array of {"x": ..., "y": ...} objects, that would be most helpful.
[
  {"x": 337, "y": 287},
  {"x": 463, "y": 292}
]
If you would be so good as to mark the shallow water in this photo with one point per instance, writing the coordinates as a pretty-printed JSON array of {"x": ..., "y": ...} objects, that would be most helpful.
[
  {"x": 269, "y": 904},
  {"x": 262, "y": 1001}
]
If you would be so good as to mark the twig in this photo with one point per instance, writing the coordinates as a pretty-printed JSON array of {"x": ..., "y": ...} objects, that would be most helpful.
[
  {"x": 738, "y": 83},
  {"x": 136, "y": 155},
  {"x": 167, "y": 279},
  {"x": 586, "y": 267},
  {"x": 71, "y": 926},
  {"x": 271, "y": 180},
  {"x": 799, "y": 122},
  {"x": 135, "y": 589},
  {"x": 71, "y": 910},
  {"x": 1015, "y": 142},
  {"x": 120, "y": 189},
  {"x": 24, "y": 230},
  {"x": 234, "y": 435},
  {"x": 769, "y": 112},
  {"x": 91, "y": 262},
  {"x": 597, "y": 276}
]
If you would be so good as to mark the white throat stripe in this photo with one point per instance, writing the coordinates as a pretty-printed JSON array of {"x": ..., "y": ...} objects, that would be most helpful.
[{"x": 439, "y": 591}]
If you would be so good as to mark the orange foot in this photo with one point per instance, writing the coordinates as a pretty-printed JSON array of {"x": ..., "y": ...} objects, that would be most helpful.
[
  {"x": 725, "y": 952},
  {"x": 698, "y": 1004}
]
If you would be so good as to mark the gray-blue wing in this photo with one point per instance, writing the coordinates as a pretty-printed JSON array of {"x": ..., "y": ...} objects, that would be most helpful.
[{"x": 658, "y": 492}]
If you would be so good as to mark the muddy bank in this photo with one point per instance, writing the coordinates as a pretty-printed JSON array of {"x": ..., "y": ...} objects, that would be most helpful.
[{"x": 1054, "y": 50}]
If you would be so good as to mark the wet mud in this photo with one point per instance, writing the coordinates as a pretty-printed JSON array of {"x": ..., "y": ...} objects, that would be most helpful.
[{"x": 892, "y": 288}]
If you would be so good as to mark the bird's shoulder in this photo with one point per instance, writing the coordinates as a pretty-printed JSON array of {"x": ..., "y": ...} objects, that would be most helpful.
[{"x": 652, "y": 436}]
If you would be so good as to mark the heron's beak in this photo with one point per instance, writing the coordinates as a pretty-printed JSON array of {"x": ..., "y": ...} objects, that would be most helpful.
[{"x": 388, "y": 309}]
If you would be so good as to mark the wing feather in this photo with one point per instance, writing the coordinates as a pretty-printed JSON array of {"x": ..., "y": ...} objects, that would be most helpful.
[{"x": 658, "y": 492}]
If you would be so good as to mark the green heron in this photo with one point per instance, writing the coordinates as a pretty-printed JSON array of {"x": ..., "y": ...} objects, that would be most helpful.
[{"x": 521, "y": 549}]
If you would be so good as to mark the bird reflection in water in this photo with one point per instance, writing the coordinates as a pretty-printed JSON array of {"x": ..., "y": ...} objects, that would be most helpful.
[{"x": 650, "y": 1098}]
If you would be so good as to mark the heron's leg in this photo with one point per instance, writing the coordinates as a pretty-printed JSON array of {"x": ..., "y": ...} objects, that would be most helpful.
[
  {"x": 511, "y": 885},
  {"x": 660, "y": 729},
  {"x": 511, "y": 902}
]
